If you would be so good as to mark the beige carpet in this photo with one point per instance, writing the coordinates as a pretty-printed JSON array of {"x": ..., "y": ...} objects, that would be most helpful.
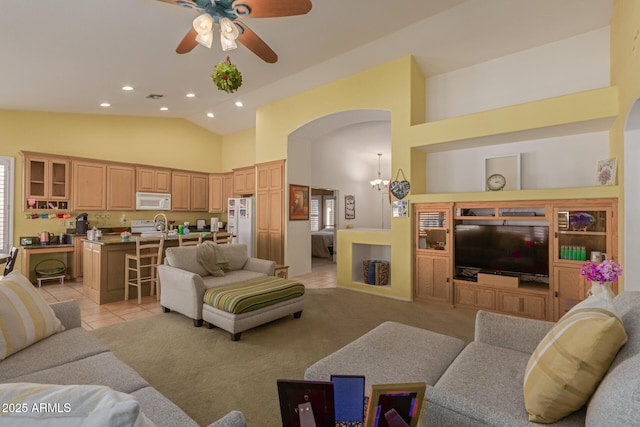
[{"x": 207, "y": 374}]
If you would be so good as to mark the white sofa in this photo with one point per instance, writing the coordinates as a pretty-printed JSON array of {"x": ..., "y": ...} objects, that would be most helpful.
[{"x": 183, "y": 280}]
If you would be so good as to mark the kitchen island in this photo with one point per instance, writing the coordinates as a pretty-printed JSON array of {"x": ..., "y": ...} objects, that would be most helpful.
[{"x": 104, "y": 267}]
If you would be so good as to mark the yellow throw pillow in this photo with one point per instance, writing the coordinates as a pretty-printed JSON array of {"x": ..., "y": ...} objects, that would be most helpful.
[
  {"x": 569, "y": 363},
  {"x": 25, "y": 317}
]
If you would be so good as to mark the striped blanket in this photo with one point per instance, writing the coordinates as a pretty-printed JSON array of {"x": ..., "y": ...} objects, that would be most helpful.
[{"x": 253, "y": 294}]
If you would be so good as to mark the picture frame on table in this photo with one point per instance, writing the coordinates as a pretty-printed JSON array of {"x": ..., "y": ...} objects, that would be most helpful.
[
  {"x": 304, "y": 403},
  {"x": 349, "y": 207},
  {"x": 395, "y": 405},
  {"x": 298, "y": 202},
  {"x": 607, "y": 171}
]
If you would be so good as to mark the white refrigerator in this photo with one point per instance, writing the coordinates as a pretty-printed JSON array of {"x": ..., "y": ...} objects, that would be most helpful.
[{"x": 241, "y": 222}]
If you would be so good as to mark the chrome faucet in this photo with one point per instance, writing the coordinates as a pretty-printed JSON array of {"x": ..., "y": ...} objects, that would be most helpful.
[{"x": 162, "y": 226}]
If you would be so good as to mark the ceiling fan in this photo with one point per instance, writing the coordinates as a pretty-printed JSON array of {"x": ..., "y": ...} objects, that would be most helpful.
[{"x": 225, "y": 13}]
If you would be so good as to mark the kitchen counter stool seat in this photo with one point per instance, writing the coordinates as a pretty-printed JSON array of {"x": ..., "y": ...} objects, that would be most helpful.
[
  {"x": 189, "y": 239},
  {"x": 222, "y": 237},
  {"x": 141, "y": 267}
]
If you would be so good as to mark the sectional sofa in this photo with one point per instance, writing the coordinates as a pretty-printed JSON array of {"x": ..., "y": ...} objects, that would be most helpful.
[
  {"x": 74, "y": 356},
  {"x": 483, "y": 383}
]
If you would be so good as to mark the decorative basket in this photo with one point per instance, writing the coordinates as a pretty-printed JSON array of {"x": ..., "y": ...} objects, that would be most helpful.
[
  {"x": 50, "y": 267},
  {"x": 375, "y": 272}
]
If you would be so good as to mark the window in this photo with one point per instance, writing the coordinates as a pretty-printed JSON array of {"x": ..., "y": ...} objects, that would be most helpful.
[
  {"x": 329, "y": 212},
  {"x": 315, "y": 214},
  {"x": 6, "y": 199}
]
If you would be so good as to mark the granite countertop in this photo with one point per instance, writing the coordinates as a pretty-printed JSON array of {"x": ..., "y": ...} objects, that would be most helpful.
[
  {"x": 116, "y": 239},
  {"x": 49, "y": 246}
]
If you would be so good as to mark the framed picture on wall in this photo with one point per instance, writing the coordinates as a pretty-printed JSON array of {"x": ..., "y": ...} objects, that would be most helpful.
[
  {"x": 349, "y": 207},
  {"x": 298, "y": 202},
  {"x": 607, "y": 171},
  {"x": 502, "y": 173}
]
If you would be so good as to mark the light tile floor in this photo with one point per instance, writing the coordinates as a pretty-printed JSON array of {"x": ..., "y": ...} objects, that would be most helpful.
[{"x": 95, "y": 316}]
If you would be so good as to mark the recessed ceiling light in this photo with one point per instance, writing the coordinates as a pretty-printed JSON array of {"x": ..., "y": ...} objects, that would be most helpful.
[
  {"x": 239, "y": 104},
  {"x": 164, "y": 108},
  {"x": 127, "y": 88},
  {"x": 191, "y": 95},
  {"x": 105, "y": 104},
  {"x": 210, "y": 115}
]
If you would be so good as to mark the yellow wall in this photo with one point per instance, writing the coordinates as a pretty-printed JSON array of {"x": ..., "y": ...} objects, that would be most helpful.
[
  {"x": 239, "y": 149},
  {"x": 625, "y": 69},
  {"x": 386, "y": 87}
]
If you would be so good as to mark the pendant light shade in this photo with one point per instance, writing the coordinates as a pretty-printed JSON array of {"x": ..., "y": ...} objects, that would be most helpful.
[
  {"x": 226, "y": 43},
  {"x": 379, "y": 183},
  {"x": 229, "y": 29}
]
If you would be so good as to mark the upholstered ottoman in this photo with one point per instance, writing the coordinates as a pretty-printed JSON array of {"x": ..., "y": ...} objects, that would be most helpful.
[
  {"x": 236, "y": 308},
  {"x": 391, "y": 353}
]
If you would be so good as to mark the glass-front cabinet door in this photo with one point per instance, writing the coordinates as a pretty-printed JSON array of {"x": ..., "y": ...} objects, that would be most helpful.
[
  {"x": 433, "y": 229},
  {"x": 582, "y": 234}
]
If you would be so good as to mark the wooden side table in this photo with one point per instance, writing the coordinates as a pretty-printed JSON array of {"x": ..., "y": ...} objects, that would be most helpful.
[{"x": 281, "y": 271}]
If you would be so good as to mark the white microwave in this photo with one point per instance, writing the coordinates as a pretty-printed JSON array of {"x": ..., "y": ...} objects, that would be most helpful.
[{"x": 153, "y": 202}]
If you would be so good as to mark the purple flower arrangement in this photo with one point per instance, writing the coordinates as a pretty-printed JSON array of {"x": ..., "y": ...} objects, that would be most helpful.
[{"x": 607, "y": 271}]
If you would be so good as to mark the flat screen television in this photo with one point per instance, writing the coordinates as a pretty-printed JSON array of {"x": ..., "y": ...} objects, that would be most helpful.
[{"x": 511, "y": 249}]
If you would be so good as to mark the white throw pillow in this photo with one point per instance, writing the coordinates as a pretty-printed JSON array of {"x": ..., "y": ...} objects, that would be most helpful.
[
  {"x": 28, "y": 404},
  {"x": 25, "y": 316}
]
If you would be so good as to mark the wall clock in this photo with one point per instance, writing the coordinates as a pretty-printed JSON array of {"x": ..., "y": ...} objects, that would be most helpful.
[{"x": 496, "y": 182}]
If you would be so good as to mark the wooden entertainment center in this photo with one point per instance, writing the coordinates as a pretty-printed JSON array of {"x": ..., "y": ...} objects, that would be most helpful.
[{"x": 577, "y": 227}]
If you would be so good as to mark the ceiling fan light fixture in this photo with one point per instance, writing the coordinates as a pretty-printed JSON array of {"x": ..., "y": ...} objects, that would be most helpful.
[
  {"x": 205, "y": 39},
  {"x": 203, "y": 23},
  {"x": 226, "y": 43},
  {"x": 229, "y": 29}
]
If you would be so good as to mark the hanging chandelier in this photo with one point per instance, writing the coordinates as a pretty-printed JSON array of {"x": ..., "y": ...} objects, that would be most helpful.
[{"x": 379, "y": 183}]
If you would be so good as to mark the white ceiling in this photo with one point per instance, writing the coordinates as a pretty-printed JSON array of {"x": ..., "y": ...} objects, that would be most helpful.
[{"x": 69, "y": 55}]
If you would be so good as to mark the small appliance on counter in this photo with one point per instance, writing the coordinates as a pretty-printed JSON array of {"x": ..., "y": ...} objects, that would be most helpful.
[{"x": 82, "y": 223}]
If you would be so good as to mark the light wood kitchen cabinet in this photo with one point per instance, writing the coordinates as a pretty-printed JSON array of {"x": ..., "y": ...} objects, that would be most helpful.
[
  {"x": 244, "y": 181},
  {"x": 153, "y": 180},
  {"x": 270, "y": 208},
  {"x": 121, "y": 187},
  {"x": 189, "y": 191},
  {"x": 220, "y": 190},
  {"x": 89, "y": 185},
  {"x": 199, "y": 199},
  {"x": 47, "y": 183},
  {"x": 91, "y": 267},
  {"x": 78, "y": 255},
  {"x": 180, "y": 191},
  {"x": 216, "y": 186}
]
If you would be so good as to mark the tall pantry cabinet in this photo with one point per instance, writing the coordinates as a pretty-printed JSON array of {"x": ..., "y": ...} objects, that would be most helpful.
[{"x": 270, "y": 205}]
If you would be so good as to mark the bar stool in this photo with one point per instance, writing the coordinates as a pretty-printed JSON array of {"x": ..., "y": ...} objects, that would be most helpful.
[
  {"x": 222, "y": 237},
  {"x": 189, "y": 239},
  {"x": 148, "y": 249}
]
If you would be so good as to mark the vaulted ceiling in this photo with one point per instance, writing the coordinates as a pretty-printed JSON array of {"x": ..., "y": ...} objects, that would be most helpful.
[{"x": 70, "y": 56}]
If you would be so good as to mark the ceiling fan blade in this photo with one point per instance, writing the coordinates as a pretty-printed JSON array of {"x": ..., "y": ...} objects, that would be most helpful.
[
  {"x": 255, "y": 44},
  {"x": 271, "y": 8},
  {"x": 188, "y": 42}
]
